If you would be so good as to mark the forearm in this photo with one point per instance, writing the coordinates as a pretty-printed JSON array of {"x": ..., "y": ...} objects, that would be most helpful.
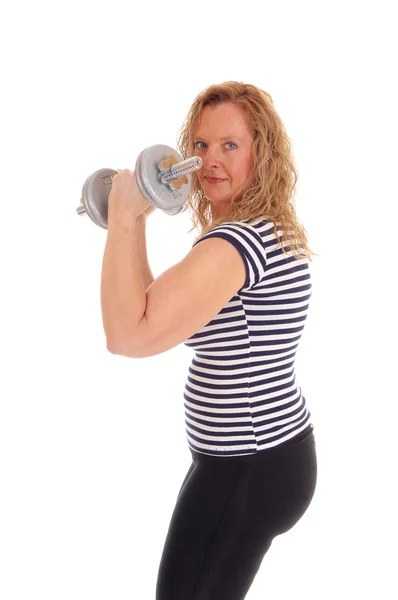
[
  {"x": 145, "y": 269},
  {"x": 123, "y": 297}
]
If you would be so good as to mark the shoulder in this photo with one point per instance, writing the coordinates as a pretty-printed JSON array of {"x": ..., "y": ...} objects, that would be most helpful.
[
  {"x": 238, "y": 229},
  {"x": 247, "y": 240}
]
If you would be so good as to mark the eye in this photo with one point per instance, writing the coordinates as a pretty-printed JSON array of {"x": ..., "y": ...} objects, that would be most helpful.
[
  {"x": 201, "y": 147},
  {"x": 231, "y": 144}
]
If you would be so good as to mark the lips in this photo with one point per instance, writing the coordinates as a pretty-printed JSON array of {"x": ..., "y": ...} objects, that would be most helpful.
[{"x": 214, "y": 179}]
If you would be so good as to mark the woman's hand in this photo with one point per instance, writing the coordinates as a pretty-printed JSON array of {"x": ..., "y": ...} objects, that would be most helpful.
[{"x": 125, "y": 198}]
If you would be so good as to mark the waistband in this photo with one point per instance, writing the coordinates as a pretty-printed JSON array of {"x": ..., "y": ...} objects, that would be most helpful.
[{"x": 291, "y": 447}]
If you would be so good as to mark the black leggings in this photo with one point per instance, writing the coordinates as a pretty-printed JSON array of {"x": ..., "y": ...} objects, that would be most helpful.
[{"x": 227, "y": 513}]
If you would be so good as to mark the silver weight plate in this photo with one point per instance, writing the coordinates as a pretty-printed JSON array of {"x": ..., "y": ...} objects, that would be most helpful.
[
  {"x": 96, "y": 190},
  {"x": 157, "y": 193},
  {"x": 172, "y": 212}
]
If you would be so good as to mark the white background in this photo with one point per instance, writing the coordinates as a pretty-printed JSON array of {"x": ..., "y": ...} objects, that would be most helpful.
[{"x": 92, "y": 446}]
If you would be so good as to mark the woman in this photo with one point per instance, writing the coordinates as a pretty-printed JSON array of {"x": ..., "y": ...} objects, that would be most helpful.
[{"x": 254, "y": 466}]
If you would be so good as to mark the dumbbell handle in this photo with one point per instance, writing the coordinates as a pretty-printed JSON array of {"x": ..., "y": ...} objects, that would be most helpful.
[{"x": 181, "y": 168}]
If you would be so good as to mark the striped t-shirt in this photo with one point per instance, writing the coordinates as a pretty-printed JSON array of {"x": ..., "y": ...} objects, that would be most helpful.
[{"x": 241, "y": 395}]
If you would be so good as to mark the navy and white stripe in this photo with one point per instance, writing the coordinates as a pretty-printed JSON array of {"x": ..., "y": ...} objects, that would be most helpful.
[{"x": 241, "y": 394}]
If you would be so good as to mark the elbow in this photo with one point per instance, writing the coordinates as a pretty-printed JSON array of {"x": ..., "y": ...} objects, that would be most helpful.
[
  {"x": 119, "y": 350},
  {"x": 111, "y": 347},
  {"x": 130, "y": 345}
]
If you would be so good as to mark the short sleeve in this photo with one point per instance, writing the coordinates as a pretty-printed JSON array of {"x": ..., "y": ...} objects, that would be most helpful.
[{"x": 250, "y": 246}]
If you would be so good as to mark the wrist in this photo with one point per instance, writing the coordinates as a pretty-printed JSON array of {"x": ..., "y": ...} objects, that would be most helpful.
[
  {"x": 122, "y": 222},
  {"x": 141, "y": 219}
]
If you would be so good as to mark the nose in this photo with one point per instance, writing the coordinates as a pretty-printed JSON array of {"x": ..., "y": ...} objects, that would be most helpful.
[{"x": 211, "y": 157}]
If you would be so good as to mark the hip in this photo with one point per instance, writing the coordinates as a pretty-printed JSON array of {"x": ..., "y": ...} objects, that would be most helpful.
[{"x": 303, "y": 442}]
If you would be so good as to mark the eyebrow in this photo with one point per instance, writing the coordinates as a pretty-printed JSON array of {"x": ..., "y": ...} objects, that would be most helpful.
[{"x": 228, "y": 137}]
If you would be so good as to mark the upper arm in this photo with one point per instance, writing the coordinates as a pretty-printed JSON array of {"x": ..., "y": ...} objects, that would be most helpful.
[{"x": 184, "y": 298}]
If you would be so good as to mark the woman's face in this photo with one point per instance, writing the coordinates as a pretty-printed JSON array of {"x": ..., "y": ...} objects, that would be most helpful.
[{"x": 224, "y": 141}]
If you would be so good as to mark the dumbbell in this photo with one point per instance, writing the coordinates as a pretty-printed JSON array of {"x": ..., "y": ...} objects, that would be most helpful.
[{"x": 163, "y": 178}]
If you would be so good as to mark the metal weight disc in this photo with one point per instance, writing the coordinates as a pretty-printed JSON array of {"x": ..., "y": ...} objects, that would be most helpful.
[
  {"x": 172, "y": 212},
  {"x": 157, "y": 193},
  {"x": 96, "y": 190}
]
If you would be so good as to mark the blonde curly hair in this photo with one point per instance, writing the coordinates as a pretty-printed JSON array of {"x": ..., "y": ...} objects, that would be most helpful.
[{"x": 271, "y": 196}]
